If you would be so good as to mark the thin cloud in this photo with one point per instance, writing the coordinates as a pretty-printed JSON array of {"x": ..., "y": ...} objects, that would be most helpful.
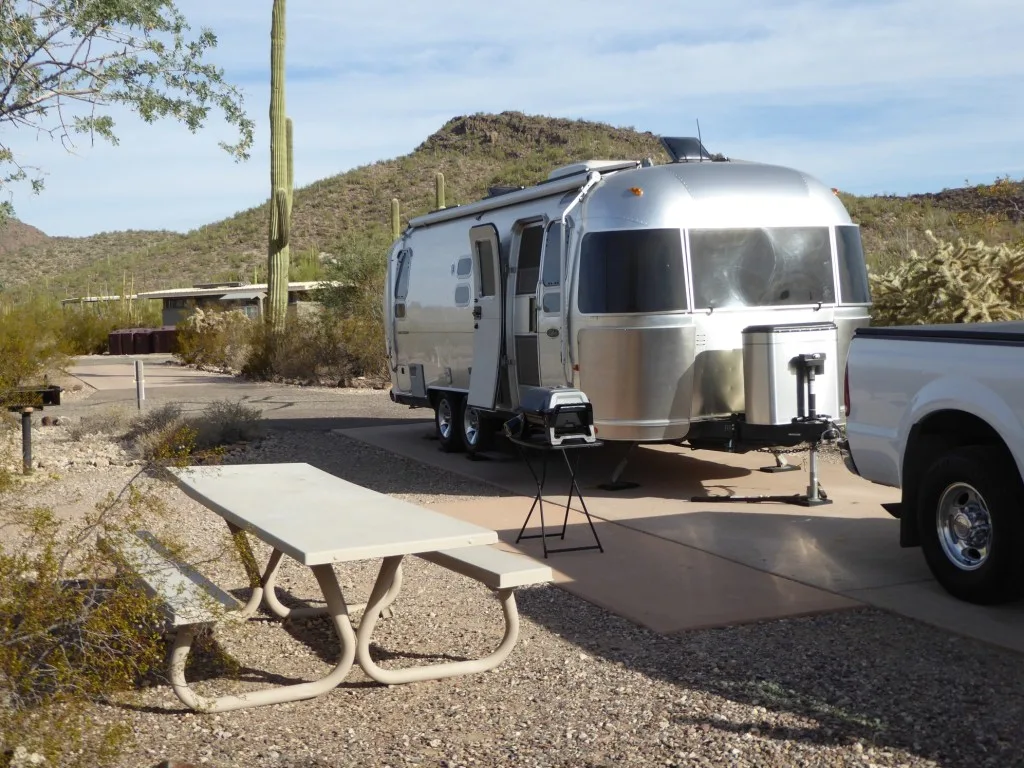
[{"x": 869, "y": 96}]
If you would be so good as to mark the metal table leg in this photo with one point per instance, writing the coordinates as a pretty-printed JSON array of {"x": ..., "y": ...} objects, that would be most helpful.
[{"x": 538, "y": 501}]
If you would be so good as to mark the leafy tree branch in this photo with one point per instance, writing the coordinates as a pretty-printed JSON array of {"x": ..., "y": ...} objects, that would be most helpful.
[{"x": 64, "y": 63}]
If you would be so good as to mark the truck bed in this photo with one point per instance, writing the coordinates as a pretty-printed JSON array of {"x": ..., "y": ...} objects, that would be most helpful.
[{"x": 1009, "y": 332}]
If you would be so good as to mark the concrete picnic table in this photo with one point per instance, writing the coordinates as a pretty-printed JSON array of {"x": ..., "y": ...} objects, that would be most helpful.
[{"x": 318, "y": 520}]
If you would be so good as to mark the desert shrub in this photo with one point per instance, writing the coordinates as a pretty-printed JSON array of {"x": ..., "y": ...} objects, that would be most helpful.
[
  {"x": 111, "y": 421},
  {"x": 959, "y": 283},
  {"x": 168, "y": 433},
  {"x": 310, "y": 350},
  {"x": 86, "y": 329},
  {"x": 226, "y": 423},
  {"x": 71, "y": 632},
  {"x": 214, "y": 338},
  {"x": 355, "y": 302},
  {"x": 30, "y": 342}
]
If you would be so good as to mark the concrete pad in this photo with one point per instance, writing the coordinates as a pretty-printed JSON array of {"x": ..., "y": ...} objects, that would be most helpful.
[
  {"x": 656, "y": 583},
  {"x": 849, "y": 548},
  {"x": 832, "y": 552},
  {"x": 930, "y": 603}
]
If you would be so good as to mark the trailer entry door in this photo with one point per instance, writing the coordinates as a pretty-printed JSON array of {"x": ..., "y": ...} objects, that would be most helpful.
[{"x": 483, "y": 378}]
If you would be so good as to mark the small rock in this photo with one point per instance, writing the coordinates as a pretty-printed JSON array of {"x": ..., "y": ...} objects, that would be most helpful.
[{"x": 46, "y": 421}]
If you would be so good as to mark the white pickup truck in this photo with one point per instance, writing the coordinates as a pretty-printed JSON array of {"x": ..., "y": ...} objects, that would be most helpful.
[{"x": 938, "y": 412}]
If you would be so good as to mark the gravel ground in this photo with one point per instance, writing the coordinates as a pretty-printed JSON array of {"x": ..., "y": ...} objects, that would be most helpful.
[{"x": 582, "y": 688}]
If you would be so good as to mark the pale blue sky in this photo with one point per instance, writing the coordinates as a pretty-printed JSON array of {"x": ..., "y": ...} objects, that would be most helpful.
[{"x": 868, "y": 96}]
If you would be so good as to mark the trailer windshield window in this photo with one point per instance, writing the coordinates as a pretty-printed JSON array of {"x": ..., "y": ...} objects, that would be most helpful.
[
  {"x": 853, "y": 274},
  {"x": 761, "y": 267},
  {"x": 628, "y": 271}
]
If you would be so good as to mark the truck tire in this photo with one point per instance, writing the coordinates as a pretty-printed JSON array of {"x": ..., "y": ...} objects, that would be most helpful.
[
  {"x": 448, "y": 421},
  {"x": 971, "y": 523},
  {"x": 477, "y": 429}
]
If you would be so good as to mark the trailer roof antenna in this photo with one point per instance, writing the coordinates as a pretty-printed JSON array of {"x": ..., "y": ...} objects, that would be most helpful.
[{"x": 700, "y": 141}]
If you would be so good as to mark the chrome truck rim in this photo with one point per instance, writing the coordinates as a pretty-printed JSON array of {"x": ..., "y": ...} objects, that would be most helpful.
[
  {"x": 471, "y": 425},
  {"x": 444, "y": 418},
  {"x": 964, "y": 527}
]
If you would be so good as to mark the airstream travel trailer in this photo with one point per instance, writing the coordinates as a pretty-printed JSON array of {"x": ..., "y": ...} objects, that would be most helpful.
[{"x": 676, "y": 296}]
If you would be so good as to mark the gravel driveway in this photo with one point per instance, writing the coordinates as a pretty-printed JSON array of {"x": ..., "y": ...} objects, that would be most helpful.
[{"x": 583, "y": 688}]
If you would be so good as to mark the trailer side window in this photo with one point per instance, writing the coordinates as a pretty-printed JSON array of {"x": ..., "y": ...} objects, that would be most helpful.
[
  {"x": 639, "y": 270},
  {"x": 485, "y": 259},
  {"x": 465, "y": 267},
  {"x": 553, "y": 255},
  {"x": 528, "y": 261},
  {"x": 769, "y": 267},
  {"x": 854, "y": 287},
  {"x": 402, "y": 279}
]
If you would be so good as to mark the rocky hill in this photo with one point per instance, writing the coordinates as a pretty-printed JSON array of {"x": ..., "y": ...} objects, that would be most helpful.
[{"x": 338, "y": 214}]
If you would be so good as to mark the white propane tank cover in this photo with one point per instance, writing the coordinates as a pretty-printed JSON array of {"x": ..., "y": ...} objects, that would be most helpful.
[{"x": 771, "y": 381}]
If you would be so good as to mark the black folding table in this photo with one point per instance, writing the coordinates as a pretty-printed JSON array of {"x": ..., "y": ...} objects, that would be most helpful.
[{"x": 545, "y": 450}]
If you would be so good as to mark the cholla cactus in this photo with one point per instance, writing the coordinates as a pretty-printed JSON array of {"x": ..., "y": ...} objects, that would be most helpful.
[{"x": 953, "y": 284}]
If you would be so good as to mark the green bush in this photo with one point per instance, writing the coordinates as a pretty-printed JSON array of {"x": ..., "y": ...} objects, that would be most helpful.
[
  {"x": 356, "y": 303},
  {"x": 214, "y": 338},
  {"x": 311, "y": 350},
  {"x": 959, "y": 283},
  {"x": 71, "y": 631},
  {"x": 86, "y": 328},
  {"x": 167, "y": 431},
  {"x": 30, "y": 342}
]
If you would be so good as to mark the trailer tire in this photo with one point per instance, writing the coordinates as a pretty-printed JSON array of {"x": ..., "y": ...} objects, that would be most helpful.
[
  {"x": 448, "y": 421},
  {"x": 477, "y": 429},
  {"x": 972, "y": 525}
]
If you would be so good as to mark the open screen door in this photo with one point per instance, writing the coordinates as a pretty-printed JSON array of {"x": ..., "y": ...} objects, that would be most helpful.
[{"x": 483, "y": 378}]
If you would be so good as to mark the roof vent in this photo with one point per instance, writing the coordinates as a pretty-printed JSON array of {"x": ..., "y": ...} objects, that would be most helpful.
[{"x": 685, "y": 149}]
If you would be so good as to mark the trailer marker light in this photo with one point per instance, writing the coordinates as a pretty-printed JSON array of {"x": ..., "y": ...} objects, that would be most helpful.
[{"x": 636, "y": 191}]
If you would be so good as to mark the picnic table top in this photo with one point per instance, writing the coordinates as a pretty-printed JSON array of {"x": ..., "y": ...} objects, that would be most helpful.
[{"x": 315, "y": 517}]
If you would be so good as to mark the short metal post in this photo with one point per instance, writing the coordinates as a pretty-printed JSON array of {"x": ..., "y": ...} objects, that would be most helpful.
[
  {"x": 140, "y": 384},
  {"x": 26, "y": 440},
  {"x": 812, "y": 461}
]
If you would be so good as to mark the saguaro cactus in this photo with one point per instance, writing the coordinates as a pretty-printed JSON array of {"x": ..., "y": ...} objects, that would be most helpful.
[
  {"x": 281, "y": 179},
  {"x": 439, "y": 190}
]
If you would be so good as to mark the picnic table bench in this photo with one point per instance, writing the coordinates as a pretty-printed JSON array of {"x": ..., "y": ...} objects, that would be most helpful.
[{"x": 318, "y": 520}]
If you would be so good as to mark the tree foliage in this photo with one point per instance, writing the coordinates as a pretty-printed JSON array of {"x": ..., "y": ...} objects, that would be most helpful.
[{"x": 64, "y": 63}]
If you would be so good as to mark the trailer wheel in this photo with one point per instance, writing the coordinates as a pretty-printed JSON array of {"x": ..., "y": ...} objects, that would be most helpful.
[
  {"x": 448, "y": 421},
  {"x": 972, "y": 525},
  {"x": 477, "y": 429}
]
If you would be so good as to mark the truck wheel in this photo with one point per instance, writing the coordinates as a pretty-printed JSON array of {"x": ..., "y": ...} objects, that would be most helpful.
[
  {"x": 972, "y": 524},
  {"x": 448, "y": 422},
  {"x": 477, "y": 429}
]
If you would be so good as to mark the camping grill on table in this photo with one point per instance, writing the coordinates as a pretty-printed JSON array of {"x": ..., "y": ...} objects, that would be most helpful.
[{"x": 553, "y": 415}]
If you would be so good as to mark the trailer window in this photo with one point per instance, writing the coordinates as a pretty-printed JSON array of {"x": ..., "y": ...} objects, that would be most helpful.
[
  {"x": 485, "y": 257},
  {"x": 465, "y": 267},
  {"x": 402, "y": 279},
  {"x": 761, "y": 267},
  {"x": 854, "y": 287},
  {"x": 528, "y": 260},
  {"x": 639, "y": 270},
  {"x": 553, "y": 255}
]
